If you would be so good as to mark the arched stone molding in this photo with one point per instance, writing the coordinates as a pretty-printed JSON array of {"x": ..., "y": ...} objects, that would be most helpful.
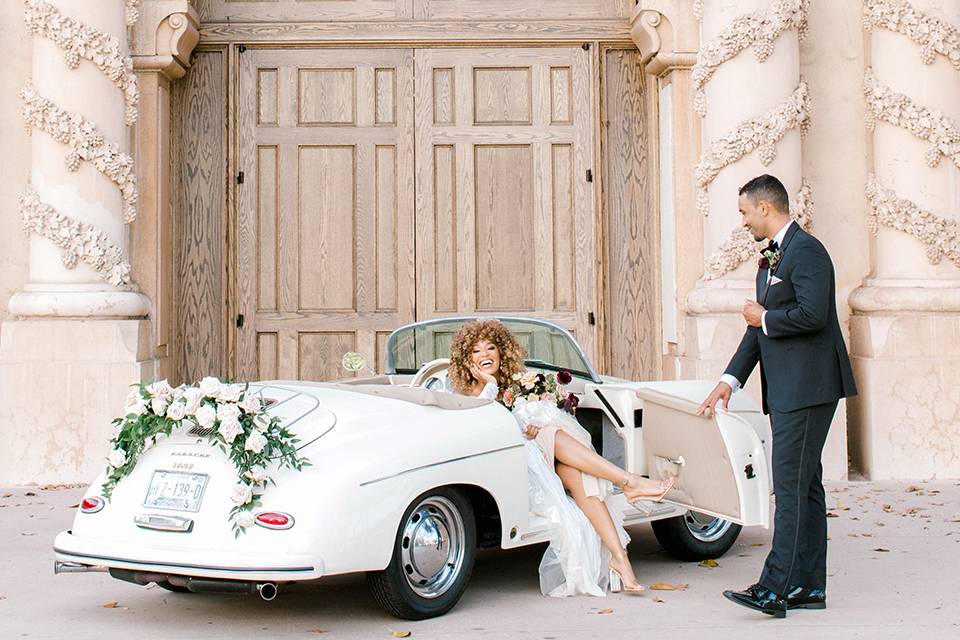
[{"x": 161, "y": 45}]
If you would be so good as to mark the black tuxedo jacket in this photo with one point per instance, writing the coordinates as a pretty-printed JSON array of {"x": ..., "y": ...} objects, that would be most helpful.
[{"x": 803, "y": 360}]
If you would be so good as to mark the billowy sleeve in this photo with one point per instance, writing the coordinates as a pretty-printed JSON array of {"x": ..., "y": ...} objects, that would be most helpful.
[{"x": 490, "y": 391}]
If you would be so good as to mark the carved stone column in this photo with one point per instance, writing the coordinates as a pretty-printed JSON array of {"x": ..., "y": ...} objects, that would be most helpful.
[
  {"x": 905, "y": 331},
  {"x": 81, "y": 337}
]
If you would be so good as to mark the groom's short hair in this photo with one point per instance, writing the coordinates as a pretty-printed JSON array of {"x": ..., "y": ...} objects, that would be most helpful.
[{"x": 768, "y": 188}]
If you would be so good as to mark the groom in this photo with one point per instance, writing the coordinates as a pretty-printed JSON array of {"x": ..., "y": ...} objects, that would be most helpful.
[{"x": 794, "y": 334}]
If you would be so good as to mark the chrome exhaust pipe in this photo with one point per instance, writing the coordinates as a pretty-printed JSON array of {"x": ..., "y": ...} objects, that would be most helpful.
[
  {"x": 267, "y": 590},
  {"x": 76, "y": 567}
]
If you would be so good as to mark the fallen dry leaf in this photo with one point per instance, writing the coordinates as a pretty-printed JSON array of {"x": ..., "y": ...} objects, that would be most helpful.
[
  {"x": 30, "y": 493},
  {"x": 880, "y": 524},
  {"x": 3, "y": 597},
  {"x": 937, "y": 504},
  {"x": 744, "y": 555},
  {"x": 881, "y": 550},
  {"x": 709, "y": 563},
  {"x": 756, "y": 544},
  {"x": 8, "y": 495},
  {"x": 852, "y": 535},
  {"x": 887, "y": 508},
  {"x": 26, "y": 534},
  {"x": 399, "y": 634},
  {"x": 867, "y": 535},
  {"x": 913, "y": 488},
  {"x": 74, "y": 506},
  {"x": 662, "y": 586},
  {"x": 655, "y": 599},
  {"x": 605, "y": 611},
  {"x": 832, "y": 515},
  {"x": 110, "y": 606},
  {"x": 911, "y": 510},
  {"x": 842, "y": 507}
]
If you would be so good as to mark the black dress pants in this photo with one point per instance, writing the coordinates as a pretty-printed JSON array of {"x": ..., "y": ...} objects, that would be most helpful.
[{"x": 798, "y": 555}]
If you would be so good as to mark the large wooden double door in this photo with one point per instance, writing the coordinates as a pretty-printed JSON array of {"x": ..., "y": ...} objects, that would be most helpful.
[{"x": 383, "y": 186}]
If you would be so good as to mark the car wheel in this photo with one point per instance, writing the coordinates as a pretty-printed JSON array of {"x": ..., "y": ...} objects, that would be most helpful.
[
  {"x": 432, "y": 557},
  {"x": 695, "y": 536}
]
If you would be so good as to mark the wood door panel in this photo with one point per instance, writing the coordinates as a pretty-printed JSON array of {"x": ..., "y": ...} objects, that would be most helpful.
[
  {"x": 506, "y": 220},
  {"x": 324, "y": 233}
]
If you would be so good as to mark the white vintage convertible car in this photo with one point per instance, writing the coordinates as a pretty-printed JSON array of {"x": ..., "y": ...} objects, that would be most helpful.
[{"x": 407, "y": 481}]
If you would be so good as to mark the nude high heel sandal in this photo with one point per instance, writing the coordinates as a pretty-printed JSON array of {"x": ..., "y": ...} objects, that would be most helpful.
[{"x": 617, "y": 585}]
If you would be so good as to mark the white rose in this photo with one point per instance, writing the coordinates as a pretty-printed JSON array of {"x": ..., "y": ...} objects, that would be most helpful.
[
  {"x": 244, "y": 519},
  {"x": 250, "y": 403},
  {"x": 118, "y": 457},
  {"x": 227, "y": 411},
  {"x": 242, "y": 493},
  {"x": 159, "y": 404},
  {"x": 230, "y": 392},
  {"x": 178, "y": 392},
  {"x": 192, "y": 396},
  {"x": 261, "y": 423},
  {"x": 210, "y": 386},
  {"x": 135, "y": 403},
  {"x": 206, "y": 416},
  {"x": 161, "y": 389},
  {"x": 257, "y": 474},
  {"x": 230, "y": 429},
  {"x": 177, "y": 411},
  {"x": 255, "y": 442}
]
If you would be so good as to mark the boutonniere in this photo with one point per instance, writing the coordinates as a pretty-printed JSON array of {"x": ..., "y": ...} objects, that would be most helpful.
[{"x": 770, "y": 256}]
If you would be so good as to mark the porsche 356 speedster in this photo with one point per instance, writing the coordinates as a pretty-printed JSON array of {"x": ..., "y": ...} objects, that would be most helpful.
[{"x": 407, "y": 481}]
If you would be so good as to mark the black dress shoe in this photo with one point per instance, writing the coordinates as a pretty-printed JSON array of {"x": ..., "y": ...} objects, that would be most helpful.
[
  {"x": 800, "y": 598},
  {"x": 760, "y": 599}
]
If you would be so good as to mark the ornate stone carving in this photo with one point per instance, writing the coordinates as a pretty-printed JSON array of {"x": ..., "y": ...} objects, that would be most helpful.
[
  {"x": 81, "y": 41},
  {"x": 740, "y": 245},
  {"x": 761, "y": 132},
  {"x": 133, "y": 12},
  {"x": 77, "y": 240},
  {"x": 760, "y": 29},
  {"x": 931, "y": 33},
  {"x": 942, "y": 132},
  {"x": 86, "y": 143},
  {"x": 941, "y": 235},
  {"x": 164, "y": 37}
]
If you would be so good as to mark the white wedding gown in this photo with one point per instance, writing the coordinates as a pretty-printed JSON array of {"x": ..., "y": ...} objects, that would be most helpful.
[{"x": 576, "y": 561}]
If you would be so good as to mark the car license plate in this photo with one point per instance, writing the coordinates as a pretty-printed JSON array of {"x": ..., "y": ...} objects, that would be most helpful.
[{"x": 179, "y": 491}]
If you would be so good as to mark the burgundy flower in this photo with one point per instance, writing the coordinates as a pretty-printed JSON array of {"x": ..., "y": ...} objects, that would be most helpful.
[
  {"x": 763, "y": 263},
  {"x": 564, "y": 377}
]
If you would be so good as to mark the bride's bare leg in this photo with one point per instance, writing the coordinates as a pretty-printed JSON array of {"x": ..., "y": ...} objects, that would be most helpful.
[
  {"x": 599, "y": 517},
  {"x": 573, "y": 454}
]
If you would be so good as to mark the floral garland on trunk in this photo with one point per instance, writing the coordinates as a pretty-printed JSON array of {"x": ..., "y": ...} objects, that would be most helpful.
[{"x": 235, "y": 419}]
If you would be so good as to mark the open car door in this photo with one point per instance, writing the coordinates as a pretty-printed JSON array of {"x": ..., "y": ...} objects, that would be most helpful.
[{"x": 719, "y": 461}]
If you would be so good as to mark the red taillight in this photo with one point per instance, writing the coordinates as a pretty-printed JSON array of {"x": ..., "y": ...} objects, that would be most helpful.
[
  {"x": 274, "y": 520},
  {"x": 92, "y": 504}
]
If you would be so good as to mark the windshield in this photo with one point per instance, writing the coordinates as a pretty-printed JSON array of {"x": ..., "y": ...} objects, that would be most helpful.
[{"x": 548, "y": 346}]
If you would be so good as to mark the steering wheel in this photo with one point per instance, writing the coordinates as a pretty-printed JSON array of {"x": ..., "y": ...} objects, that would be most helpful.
[{"x": 429, "y": 369}]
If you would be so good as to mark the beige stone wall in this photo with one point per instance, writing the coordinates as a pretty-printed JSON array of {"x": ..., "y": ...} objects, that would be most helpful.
[
  {"x": 835, "y": 164},
  {"x": 14, "y": 153}
]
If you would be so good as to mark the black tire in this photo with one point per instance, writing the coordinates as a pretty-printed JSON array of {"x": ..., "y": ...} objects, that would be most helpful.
[
  {"x": 695, "y": 536},
  {"x": 432, "y": 557},
  {"x": 172, "y": 587}
]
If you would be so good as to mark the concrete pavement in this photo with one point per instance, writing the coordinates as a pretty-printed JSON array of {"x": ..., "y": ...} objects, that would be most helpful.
[{"x": 893, "y": 562}]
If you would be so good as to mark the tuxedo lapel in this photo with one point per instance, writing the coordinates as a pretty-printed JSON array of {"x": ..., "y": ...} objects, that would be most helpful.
[{"x": 765, "y": 276}]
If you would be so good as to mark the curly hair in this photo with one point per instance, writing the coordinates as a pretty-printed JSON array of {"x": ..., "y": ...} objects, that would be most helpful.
[{"x": 512, "y": 353}]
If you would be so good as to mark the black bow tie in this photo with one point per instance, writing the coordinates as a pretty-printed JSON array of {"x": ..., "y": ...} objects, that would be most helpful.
[{"x": 773, "y": 246}]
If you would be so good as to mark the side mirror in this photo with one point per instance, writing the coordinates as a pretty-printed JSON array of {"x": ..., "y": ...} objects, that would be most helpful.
[{"x": 353, "y": 361}]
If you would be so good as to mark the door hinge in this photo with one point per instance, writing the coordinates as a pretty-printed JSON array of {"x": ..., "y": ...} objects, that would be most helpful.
[
  {"x": 591, "y": 318},
  {"x": 240, "y": 321},
  {"x": 241, "y": 48},
  {"x": 589, "y": 175},
  {"x": 240, "y": 178}
]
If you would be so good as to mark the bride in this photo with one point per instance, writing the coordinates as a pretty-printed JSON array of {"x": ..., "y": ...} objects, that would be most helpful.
[{"x": 568, "y": 480}]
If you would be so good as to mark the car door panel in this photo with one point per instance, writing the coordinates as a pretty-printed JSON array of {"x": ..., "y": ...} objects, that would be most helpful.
[{"x": 719, "y": 461}]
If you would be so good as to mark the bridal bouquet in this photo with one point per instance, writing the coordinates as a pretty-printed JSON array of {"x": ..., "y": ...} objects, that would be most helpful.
[
  {"x": 230, "y": 416},
  {"x": 532, "y": 386}
]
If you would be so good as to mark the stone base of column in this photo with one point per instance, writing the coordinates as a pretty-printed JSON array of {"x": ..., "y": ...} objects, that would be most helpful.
[
  {"x": 904, "y": 423},
  {"x": 710, "y": 338},
  {"x": 62, "y": 384}
]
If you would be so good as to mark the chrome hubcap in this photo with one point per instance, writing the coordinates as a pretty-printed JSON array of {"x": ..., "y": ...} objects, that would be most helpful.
[
  {"x": 705, "y": 528},
  {"x": 431, "y": 547}
]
